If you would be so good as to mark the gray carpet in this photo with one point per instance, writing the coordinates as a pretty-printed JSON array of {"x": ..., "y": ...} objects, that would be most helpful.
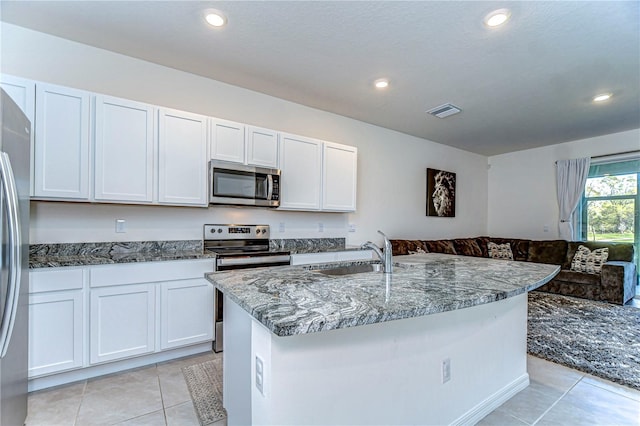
[
  {"x": 205, "y": 386},
  {"x": 594, "y": 337}
]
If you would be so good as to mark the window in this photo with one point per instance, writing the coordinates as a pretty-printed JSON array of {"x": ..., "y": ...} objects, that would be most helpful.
[{"x": 611, "y": 204}]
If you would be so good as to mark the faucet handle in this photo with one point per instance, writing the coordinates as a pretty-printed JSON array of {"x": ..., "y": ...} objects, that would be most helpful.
[{"x": 382, "y": 233}]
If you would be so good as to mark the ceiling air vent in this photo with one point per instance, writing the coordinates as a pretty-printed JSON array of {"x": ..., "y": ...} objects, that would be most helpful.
[{"x": 443, "y": 111}]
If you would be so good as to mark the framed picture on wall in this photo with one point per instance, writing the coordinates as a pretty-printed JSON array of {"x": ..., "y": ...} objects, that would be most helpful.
[{"x": 441, "y": 193}]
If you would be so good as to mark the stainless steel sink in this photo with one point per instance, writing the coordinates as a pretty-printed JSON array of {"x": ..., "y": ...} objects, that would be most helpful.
[{"x": 353, "y": 269}]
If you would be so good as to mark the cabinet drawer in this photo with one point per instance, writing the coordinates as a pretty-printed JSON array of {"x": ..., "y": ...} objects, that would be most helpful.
[
  {"x": 148, "y": 272},
  {"x": 55, "y": 279}
]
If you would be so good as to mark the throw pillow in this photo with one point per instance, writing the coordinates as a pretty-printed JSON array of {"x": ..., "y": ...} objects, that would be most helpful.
[
  {"x": 589, "y": 261},
  {"x": 500, "y": 251}
]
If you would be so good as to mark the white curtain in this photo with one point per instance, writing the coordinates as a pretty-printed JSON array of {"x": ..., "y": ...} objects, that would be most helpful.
[{"x": 572, "y": 176}]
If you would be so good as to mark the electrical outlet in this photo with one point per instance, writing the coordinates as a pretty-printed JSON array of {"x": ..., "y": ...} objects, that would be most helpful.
[
  {"x": 121, "y": 226},
  {"x": 259, "y": 375},
  {"x": 281, "y": 227},
  {"x": 320, "y": 227},
  {"x": 352, "y": 227},
  {"x": 545, "y": 228},
  {"x": 446, "y": 370}
]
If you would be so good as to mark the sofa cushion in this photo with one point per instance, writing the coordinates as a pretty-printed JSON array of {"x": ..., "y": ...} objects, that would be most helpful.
[
  {"x": 585, "y": 260},
  {"x": 467, "y": 247},
  {"x": 440, "y": 246},
  {"x": 578, "y": 277},
  {"x": 553, "y": 252},
  {"x": 520, "y": 248},
  {"x": 500, "y": 251},
  {"x": 401, "y": 247},
  {"x": 622, "y": 252},
  {"x": 483, "y": 242}
]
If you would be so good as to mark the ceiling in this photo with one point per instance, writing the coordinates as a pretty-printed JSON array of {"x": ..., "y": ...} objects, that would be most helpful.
[{"x": 526, "y": 84}]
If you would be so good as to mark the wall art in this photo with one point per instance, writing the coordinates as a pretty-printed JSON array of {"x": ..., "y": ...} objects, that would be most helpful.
[{"x": 441, "y": 193}]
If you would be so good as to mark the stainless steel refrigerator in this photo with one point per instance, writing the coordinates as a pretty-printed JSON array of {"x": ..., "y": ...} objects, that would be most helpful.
[{"x": 14, "y": 257}]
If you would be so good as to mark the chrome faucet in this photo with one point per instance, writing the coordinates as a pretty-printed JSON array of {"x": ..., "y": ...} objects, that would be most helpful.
[{"x": 384, "y": 255}]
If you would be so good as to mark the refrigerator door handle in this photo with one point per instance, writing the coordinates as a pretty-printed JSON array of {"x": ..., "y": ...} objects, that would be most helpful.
[{"x": 8, "y": 184}]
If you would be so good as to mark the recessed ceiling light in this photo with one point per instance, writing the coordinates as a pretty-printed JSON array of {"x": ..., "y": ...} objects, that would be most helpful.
[
  {"x": 381, "y": 83},
  {"x": 215, "y": 18},
  {"x": 497, "y": 17},
  {"x": 602, "y": 97}
]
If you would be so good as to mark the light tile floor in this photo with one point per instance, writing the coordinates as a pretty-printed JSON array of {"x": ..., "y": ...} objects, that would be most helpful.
[
  {"x": 158, "y": 395},
  {"x": 153, "y": 395}
]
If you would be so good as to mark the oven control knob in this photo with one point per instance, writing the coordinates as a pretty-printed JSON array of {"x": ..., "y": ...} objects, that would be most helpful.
[
  {"x": 258, "y": 231},
  {"x": 219, "y": 230}
]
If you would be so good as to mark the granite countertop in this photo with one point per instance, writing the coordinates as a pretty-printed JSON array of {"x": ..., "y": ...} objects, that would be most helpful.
[
  {"x": 104, "y": 253},
  {"x": 293, "y": 300},
  {"x": 85, "y": 254}
]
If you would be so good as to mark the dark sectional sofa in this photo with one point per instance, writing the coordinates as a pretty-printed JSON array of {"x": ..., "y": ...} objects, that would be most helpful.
[{"x": 616, "y": 283}]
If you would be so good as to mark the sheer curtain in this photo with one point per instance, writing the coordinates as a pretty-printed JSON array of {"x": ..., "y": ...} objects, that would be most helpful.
[{"x": 571, "y": 177}]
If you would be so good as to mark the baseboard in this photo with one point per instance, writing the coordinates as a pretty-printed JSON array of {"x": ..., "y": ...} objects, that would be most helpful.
[
  {"x": 71, "y": 376},
  {"x": 481, "y": 410}
]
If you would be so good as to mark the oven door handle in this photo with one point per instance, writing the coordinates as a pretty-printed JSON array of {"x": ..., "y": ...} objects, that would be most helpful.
[{"x": 249, "y": 260}]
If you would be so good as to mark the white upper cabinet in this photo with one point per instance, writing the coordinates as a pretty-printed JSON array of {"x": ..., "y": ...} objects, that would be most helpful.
[
  {"x": 23, "y": 93},
  {"x": 262, "y": 147},
  {"x": 227, "y": 140},
  {"x": 339, "y": 177},
  {"x": 182, "y": 158},
  {"x": 242, "y": 144},
  {"x": 124, "y": 150},
  {"x": 62, "y": 143},
  {"x": 301, "y": 165}
]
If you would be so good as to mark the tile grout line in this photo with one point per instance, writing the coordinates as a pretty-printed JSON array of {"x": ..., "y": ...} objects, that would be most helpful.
[
  {"x": 164, "y": 409},
  {"x": 557, "y": 401},
  {"x": 84, "y": 390}
]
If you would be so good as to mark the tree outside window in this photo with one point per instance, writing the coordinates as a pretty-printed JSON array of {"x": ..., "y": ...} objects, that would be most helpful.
[{"x": 611, "y": 204}]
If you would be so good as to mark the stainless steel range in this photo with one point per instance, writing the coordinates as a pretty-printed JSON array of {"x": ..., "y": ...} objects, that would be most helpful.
[{"x": 239, "y": 247}]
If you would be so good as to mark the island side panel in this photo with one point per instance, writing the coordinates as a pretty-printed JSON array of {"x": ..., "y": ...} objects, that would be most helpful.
[
  {"x": 236, "y": 359},
  {"x": 390, "y": 373}
]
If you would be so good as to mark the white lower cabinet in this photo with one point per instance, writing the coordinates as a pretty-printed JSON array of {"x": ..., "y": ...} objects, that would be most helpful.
[
  {"x": 108, "y": 317},
  {"x": 122, "y": 322},
  {"x": 55, "y": 332},
  {"x": 56, "y": 320},
  {"x": 186, "y": 313}
]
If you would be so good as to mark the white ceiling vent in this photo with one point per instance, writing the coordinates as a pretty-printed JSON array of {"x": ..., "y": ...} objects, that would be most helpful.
[{"x": 443, "y": 111}]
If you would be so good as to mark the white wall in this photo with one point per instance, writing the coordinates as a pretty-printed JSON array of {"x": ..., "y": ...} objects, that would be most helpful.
[
  {"x": 391, "y": 165},
  {"x": 522, "y": 185}
]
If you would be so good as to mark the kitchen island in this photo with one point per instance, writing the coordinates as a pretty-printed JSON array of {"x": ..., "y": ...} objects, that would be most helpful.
[{"x": 441, "y": 340}]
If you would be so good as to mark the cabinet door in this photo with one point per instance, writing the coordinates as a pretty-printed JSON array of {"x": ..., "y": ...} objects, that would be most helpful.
[
  {"x": 61, "y": 151},
  {"x": 122, "y": 322},
  {"x": 227, "y": 141},
  {"x": 262, "y": 147},
  {"x": 339, "y": 177},
  {"x": 186, "y": 313},
  {"x": 301, "y": 165},
  {"x": 55, "y": 332},
  {"x": 23, "y": 93},
  {"x": 182, "y": 158},
  {"x": 124, "y": 146}
]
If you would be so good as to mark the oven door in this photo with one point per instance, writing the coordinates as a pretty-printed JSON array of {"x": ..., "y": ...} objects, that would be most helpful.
[
  {"x": 243, "y": 185},
  {"x": 226, "y": 262}
]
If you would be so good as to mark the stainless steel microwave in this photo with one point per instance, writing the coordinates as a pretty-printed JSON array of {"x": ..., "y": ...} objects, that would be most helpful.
[{"x": 238, "y": 185}]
